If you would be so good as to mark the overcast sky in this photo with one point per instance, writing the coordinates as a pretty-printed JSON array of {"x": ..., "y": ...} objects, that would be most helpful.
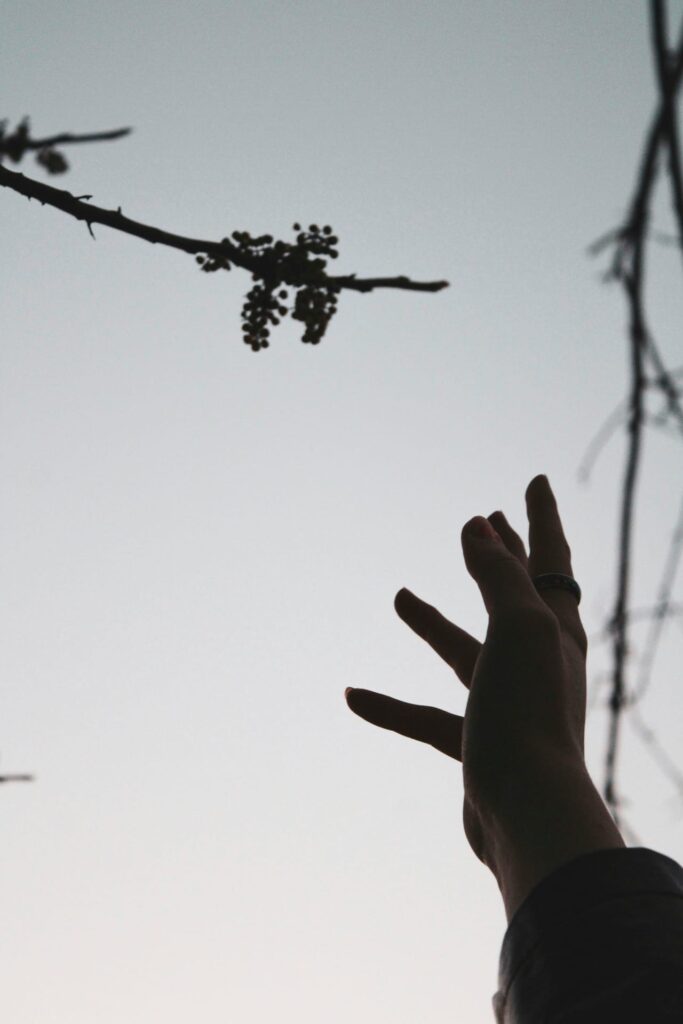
[{"x": 201, "y": 544}]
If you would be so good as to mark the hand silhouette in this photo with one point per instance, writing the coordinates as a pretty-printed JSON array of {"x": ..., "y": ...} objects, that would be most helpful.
[{"x": 527, "y": 681}]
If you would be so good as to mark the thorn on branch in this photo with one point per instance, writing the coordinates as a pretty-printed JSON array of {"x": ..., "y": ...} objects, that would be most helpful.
[
  {"x": 603, "y": 241},
  {"x": 90, "y": 229}
]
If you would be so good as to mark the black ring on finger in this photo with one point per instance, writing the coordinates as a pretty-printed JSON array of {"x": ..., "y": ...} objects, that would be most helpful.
[{"x": 548, "y": 580}]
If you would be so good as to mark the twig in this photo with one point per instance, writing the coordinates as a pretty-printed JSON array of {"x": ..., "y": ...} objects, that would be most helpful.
[
  {"x": 11, "y": 143},
  {"x": 276, "y": 264},
  {"x": 667, "y": 91},
  {"x": 633, "y": 283},
  {"x": 663, "y": 608},
  {"x": 671, "y": 611},
  {"x": 628, "y": 268},
  {"x": 19, "y": 142},
  {"x": 614, "y": 420},
  {"x": 667, "y": 765},
  {"x": 258, "y": 265}
]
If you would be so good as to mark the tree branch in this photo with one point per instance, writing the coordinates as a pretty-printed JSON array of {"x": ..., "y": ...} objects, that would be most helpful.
[
  {"x": 258, "y": 265},
  {"x": 645, "y": 178},
  {"x": 628, "y": 268},
  {"x": 667, "y": 89},
  {"x": 19, "y": 142},
  {"x": 12, "y": 142},
  {"x": 277, "y": 264}
]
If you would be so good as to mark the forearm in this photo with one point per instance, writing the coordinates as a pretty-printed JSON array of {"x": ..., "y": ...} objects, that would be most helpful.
[{"x": 545, "y": 822}]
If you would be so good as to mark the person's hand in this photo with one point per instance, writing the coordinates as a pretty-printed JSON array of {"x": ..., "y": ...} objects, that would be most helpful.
[{"x": 525, "y": 714}]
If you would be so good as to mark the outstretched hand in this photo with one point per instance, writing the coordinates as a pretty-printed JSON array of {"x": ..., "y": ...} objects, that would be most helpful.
[{"x": 527, "y": 681}]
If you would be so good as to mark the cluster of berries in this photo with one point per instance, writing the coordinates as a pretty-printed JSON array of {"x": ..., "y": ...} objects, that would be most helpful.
[
  {"x": 315, "y": 306},
  {"x": 315, "y": 303},
  {"x": 261, "y": 306},
  {"x": 52, "y": 160}
]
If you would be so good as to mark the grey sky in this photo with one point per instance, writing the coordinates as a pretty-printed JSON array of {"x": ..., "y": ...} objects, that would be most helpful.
[{"x": 201, "y": 544}]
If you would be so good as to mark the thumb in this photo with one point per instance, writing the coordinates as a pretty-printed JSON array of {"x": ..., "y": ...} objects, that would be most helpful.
[{"x": 501, "y": 577}]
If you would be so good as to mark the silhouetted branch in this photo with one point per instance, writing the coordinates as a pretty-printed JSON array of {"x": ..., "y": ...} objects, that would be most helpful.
[
  {"x": 667, "y": 92},
  {"x": 614, "y": 420},
  {"x": 628, "y": 268},
  {"x": 666, "y": 764},
  {"x": 671, "y": 611},
  {"x": 662, "y": 608},
  {"x": 277, "y": 264},
  {"x": 618, "y": 415},
  {"x": 646, "y": 175},
  {"x": 19, "y": 142}
]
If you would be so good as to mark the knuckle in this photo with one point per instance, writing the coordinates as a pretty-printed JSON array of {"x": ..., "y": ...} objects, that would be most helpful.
[
  {"x": 546, "y": 622},
  {"x": 543, "y": 623}
]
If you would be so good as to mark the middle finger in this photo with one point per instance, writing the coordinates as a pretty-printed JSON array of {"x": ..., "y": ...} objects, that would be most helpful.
[{"x": 510, "y": 538}]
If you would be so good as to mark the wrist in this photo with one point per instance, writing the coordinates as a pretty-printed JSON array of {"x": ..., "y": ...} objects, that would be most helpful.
[{"x": 544, "y": 821}]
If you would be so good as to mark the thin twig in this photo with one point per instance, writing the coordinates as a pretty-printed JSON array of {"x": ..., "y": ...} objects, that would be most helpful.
[
  {"x": 68, "y": 138},
  {"x": 602, "y": 436},
  {"x": 667, "y": 91},
  {"x": 628, "y": 267},
  {"x": 657, "y": 752},
  {"x": 638, "y": 335},
  {"x": 662, "y": 609},
  {"x": 671, "y": 611}
]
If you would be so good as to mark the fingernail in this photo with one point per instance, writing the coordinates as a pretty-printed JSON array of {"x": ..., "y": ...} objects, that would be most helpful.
[{"x": 481, "y": 528}]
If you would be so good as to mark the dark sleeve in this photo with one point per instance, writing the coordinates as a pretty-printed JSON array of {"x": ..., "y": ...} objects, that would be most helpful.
[{"x": 599, "y": 940}]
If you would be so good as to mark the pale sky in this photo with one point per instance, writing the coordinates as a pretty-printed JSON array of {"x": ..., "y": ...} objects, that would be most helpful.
[{"x": 201, "y": 544}]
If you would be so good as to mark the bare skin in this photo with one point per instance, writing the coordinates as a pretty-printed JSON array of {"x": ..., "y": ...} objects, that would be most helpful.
[{"x": 529, "y": 802}]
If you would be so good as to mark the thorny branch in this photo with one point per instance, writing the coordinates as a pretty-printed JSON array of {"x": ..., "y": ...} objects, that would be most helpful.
[
  {"x": 276, "y": 264},
  {"x": 628, "y": 267}
]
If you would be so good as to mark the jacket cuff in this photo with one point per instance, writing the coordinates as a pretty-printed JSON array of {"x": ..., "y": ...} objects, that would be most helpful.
[{"x": 579, "y": 929}]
